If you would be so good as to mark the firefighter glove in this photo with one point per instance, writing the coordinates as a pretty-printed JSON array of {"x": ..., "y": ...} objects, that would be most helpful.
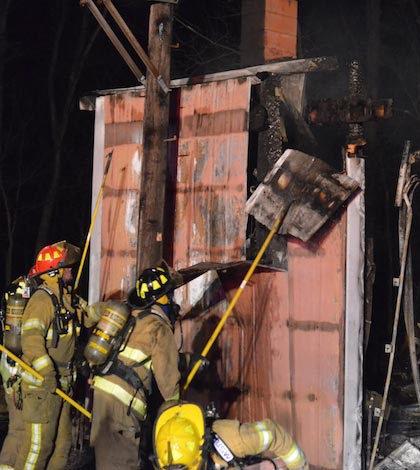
[
  {"x": 94, "y": 312},
  {"x": 50, "y": 382},
  {"x": 187, "y": 362}
]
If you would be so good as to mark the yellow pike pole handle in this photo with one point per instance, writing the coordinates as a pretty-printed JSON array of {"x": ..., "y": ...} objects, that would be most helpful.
[
  {"x": 232, "y": 304},
  {"x": 35, "y": 374},
  {"x": 92, "y": 223}
]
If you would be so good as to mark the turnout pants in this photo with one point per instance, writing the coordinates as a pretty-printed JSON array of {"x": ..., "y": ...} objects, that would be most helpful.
[
  {"x": 114, "y": 434},
  {"x": 47, "y": 431},
  {"x": 13, "y": 442}
]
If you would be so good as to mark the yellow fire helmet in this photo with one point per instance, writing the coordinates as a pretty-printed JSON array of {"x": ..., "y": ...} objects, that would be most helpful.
[{"x": 178, "y": 437}]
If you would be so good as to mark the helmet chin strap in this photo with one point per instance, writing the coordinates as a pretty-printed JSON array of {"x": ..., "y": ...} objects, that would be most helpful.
[
  {"x": 54, "y": 277},
  {"x": 50, "y": 277},
  {"x": 60, "y": 287}
]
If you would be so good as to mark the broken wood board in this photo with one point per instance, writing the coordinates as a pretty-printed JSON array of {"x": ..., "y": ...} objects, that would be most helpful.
[
  {"x": 405, "y": 457},
  {"x": 303, "y": 192}
]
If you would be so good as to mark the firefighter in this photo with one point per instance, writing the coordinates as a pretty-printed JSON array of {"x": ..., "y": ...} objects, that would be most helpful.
[
  {"x": 186, "y": 438},
  {"x": 14, "y": 300},
  {"x": 49, "y": 328},
  {"x": 122, "y": 391},
  {"x": 11, "y": 376}
]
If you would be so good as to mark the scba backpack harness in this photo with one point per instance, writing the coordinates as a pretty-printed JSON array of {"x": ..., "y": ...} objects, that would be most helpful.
[
  {"x": 62, "y": 317},
  {"x": 109, "y": 339}
]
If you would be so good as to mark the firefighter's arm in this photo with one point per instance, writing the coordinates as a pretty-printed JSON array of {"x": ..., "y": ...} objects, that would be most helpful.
[
  {"x": 89, "y": 314},
  {"x": 39, "y": 313},
  {"x": 260, "y": 437},
  {"x": 268, "y": 436},
  {"x": 165, "y": 363},
  {"x": 285, "y": 447}
]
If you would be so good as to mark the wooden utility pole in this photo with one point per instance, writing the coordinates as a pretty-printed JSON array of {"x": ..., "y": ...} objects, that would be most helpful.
[{"x": 155, "y": 133}]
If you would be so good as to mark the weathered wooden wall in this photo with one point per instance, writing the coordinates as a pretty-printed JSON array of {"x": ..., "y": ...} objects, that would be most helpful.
[
  {"x": 280, "y": 354},
  {"x": 123, "y": 126}
]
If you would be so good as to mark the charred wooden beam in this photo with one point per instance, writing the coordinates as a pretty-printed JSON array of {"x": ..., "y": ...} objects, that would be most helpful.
[
  {"x": 353, "y": 110},
  {"x": 348, "y": 110},
  {"x": 287, "y": 67}
]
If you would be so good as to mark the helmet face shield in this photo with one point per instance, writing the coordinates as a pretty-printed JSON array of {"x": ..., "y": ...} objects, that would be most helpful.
[
  {"x": 178, "y": 438},
  {"x": 71, "y": 257},
  {"x": 56, "y": 256}
]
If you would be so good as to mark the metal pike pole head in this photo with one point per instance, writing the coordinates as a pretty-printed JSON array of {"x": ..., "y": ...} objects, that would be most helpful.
[{"x": 302, "y": 191}]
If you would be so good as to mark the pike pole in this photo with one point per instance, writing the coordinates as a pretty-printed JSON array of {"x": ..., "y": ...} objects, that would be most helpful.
[
  {"x": 38, "y": 376},
  {"x": 232, "y": 303},
  {"x": 92, "y": 223}
]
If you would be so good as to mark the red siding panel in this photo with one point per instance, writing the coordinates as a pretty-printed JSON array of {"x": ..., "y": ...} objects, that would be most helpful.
[
  {"x": 123, "y": 115},
  {"x": 290, "y": 336},
  {"x": 210, "y": 221},
  {"x": 316, "y": 319},
  {"x": 124, "y": 108}
]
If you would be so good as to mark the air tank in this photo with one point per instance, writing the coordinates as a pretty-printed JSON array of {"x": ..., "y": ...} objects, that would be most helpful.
[
  {"x": 106, "y": 332},
  {"x": 13, "y": 324}
]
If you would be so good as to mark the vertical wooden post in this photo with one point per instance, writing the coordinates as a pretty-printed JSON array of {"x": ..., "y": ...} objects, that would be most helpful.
[{"x": 156, "y": 121}]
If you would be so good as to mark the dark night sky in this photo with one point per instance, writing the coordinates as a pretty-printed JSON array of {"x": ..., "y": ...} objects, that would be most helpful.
[{"x": 328, "y": 27}]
